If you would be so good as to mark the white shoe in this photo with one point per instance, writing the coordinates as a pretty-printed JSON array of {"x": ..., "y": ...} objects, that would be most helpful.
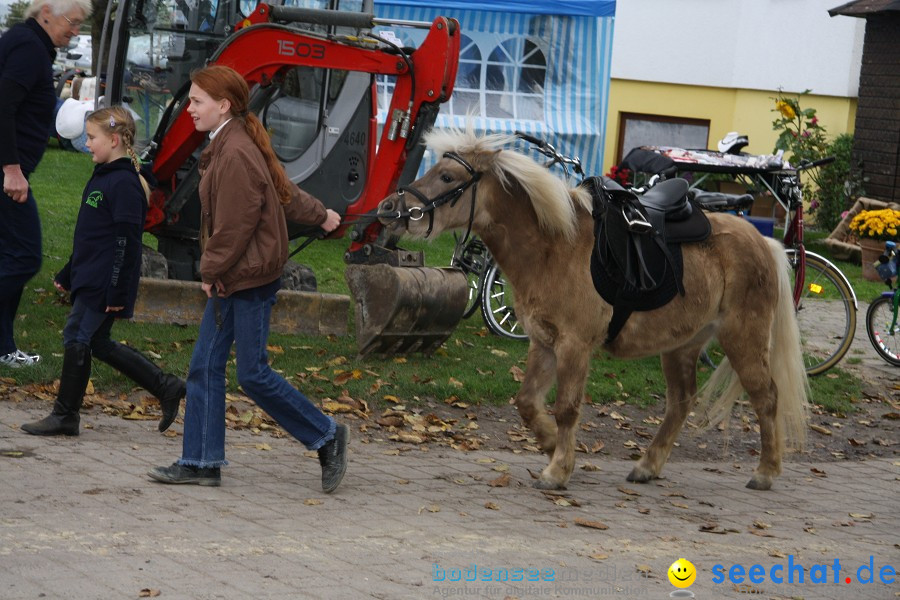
[{"x": 17, "y": 359}]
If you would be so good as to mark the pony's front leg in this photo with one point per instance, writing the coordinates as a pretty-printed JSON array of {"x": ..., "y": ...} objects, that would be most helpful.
[
  {"x": 680, "y": 371},
  {"x": 540, "y": 369},
  {"x": 571, "y": 374}
]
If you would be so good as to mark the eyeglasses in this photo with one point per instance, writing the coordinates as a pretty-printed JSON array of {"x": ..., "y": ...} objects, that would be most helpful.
[{"x": 72, "y": 24}]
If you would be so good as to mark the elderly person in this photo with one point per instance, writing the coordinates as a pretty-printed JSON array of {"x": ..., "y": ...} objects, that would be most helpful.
[{"x": 27, "y": 100}]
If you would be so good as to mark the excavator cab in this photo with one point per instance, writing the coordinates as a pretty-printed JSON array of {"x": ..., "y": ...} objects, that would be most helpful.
[{"x": 315, "y": 72}]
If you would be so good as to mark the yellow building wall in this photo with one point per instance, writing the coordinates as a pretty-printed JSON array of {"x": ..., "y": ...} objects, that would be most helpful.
[{"x": 748, "y": 112}]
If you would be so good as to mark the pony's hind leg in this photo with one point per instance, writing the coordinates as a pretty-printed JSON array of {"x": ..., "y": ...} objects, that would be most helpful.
[
  {"x": 749, "y": 357},
  {"x": 680, "y": 370},
  {"x": 540, "y": 370},
  {"x": 571, "y": 374}
]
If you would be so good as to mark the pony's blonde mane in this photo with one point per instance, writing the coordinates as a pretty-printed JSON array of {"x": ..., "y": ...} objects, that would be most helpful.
[{"x": 552, "y": 199}]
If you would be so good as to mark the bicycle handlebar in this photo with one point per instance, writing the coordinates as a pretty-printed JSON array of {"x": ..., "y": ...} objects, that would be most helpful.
[
  {"x": 816, "y": 163},
  {"x": 550, "y": 151},
  {"x": 530, "y": 138}
]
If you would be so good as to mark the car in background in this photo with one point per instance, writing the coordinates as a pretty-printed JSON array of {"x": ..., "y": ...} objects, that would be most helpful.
[{"x": 78, "y": 55}]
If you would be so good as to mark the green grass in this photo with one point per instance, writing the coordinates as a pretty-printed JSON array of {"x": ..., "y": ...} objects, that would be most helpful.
[{"x": 473, "y": 366}]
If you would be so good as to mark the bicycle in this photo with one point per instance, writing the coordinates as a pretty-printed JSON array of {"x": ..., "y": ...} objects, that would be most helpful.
[
  {"x": 825, "y": 301},
  {"x": 488, "y": 289},
  {"x": 881, "y": 318}
]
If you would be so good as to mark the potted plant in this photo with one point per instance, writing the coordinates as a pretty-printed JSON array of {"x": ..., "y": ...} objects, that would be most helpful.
[{"x": 873, "y": 228}]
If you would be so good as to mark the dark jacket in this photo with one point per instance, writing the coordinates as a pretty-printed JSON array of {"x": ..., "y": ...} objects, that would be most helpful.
[
  {"x": 243, "y": 227},
  {"x": 105, "y": 266},
  {"x": 27, "y": 97}
]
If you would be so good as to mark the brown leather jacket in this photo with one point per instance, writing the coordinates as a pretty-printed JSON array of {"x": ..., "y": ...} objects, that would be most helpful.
[{"x": 243, "y": 231}]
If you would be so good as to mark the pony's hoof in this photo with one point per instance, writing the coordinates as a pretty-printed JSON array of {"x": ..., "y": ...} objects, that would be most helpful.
[
  {"x": 639, "y": 475},
  {"x": 760, "y": 482},
  {"x": 548, "y": 485}
]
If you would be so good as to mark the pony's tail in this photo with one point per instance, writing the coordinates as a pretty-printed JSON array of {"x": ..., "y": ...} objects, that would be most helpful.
[
  {"x": 786, "y": 358},
  {"x": 718, "y": 395}
]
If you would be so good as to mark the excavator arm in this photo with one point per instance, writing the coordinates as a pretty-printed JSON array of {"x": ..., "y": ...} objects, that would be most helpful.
[{"x": 398, "y": 308}]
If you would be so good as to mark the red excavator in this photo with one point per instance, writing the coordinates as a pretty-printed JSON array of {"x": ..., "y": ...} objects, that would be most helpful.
[{"x": 320, "y": 76}]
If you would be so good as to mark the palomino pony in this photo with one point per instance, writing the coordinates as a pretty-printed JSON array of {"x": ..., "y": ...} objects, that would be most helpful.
[{"x": 540, "y": 231}]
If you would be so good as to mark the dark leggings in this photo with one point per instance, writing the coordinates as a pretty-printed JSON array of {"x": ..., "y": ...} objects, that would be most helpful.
[
  {"x": 20, "y": 259},
  {"x": 90, "y": 327}
]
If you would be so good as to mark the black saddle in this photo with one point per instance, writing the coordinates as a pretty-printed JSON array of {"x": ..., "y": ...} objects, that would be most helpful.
[{"x": 636, "y": 263}]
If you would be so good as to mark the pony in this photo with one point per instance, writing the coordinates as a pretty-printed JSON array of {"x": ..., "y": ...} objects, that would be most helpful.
[{"x": 540, "y": 230}]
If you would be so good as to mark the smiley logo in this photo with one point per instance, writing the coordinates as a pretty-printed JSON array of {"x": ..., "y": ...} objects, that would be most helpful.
[{"x": 682, "y": 573}]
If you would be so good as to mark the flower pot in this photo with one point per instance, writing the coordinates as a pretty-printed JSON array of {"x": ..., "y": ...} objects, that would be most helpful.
[{"x": 871, "y": 250}]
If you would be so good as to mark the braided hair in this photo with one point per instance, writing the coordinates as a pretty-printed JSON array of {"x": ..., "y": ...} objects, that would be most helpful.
[{"x": 118, "y": 120}]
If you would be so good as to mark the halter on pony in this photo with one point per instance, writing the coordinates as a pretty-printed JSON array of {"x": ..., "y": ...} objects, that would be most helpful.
[{"x": 430, "y": 204}]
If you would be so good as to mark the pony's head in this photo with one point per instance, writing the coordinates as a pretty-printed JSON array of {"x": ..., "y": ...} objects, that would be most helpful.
[{"x": 475, "y": 181}]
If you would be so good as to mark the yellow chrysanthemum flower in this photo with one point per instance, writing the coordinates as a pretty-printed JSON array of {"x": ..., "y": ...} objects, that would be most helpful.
[{"x": 876, "y": 224}]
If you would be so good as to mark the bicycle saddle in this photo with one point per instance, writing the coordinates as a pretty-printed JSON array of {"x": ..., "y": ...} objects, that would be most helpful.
[{"x": 718, "y": 201}]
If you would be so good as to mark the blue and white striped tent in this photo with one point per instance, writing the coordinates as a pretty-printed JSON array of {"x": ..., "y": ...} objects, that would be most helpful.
[{"x": 538, "y": 67}]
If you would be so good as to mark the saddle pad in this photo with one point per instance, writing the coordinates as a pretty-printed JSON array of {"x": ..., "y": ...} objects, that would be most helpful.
[
  {"x": 612, "y": 287},
  {"x": 616, "y": 247}
]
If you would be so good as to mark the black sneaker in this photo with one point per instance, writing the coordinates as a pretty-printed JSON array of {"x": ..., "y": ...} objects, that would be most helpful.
[
  {"x": 187, "y": 474},
  {"x": 333, "y": 458}
]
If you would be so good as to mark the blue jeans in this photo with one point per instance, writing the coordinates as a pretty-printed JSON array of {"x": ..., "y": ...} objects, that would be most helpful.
[
  {"x": 20, "y": 259},
  {"x": 244, "y": 323}
]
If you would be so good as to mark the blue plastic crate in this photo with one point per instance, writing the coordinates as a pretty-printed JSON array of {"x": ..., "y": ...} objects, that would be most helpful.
[{"x": 765, "y": 225}]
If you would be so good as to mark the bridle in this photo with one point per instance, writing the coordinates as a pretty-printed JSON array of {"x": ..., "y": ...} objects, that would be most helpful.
[{"x": 451, "y": 196}]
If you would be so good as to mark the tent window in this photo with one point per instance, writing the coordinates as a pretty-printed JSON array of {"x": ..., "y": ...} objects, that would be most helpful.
[
  {"x": 504, "y": 80},
  {"x": 466, "y": 96},
  {"x": 515, "y": 80},
  {"x": 509, "y": 84}
]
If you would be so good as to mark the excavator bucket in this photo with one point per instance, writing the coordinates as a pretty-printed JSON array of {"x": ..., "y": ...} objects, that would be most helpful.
[{"x": 405, "y": 309}]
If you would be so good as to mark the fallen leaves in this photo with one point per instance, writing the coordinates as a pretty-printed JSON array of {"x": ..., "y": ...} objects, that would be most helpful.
[
  {"x": 591, "y": 524},
  {"x": 820, "y": 429},
  {"x": 716, "y": 528},
  {"x": 502, "y": 481},
  {"x": 408, "y": 437}
]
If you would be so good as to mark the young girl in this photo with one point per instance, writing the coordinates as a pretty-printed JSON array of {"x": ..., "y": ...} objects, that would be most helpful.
[
  {"x": 246, "y": 197},
  {"x": 102, "y": 275}
]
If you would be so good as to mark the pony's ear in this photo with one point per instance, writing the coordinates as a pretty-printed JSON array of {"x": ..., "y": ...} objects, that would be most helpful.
[{"x": 484, "y": 160}]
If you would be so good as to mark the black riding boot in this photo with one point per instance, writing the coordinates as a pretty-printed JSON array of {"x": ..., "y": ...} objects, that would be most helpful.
[
  {"x": 76, "y": 372},
  {"x": 168, "y": 389}
]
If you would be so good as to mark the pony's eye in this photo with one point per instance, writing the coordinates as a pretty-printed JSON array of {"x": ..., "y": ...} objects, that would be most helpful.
[{"x": 446, "y": 178}]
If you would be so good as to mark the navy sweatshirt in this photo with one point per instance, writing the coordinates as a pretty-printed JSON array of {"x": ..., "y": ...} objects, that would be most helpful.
[
  {"x": 27, "y": 97},
  {"x": 105, "y": 266}
]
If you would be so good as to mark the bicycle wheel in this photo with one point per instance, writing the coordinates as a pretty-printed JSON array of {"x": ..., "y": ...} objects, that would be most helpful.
[
  {"x": 497, "y": 306},
  {"x": 878, "y": 327},
  {"x": 472, "y": 259},
  {"x": 826, "y": 313}
]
